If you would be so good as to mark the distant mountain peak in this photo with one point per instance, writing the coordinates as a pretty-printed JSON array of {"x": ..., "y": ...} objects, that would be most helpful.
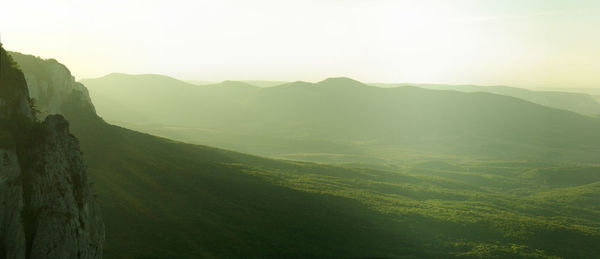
[
  {"x": 147, "y": 81},
  {"x": 340, "y": 81}
]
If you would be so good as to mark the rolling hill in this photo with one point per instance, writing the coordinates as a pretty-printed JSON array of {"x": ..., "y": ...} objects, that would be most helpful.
[
  {"x": 570, "y": 99},
  {"x": 341, "y": 120},
  {"x": 167, "y": 199}
]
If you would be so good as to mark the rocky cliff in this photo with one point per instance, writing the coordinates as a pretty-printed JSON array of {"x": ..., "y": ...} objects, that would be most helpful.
[
  {"x": 51, "y": 84},
  {"x": 47, "y": 209}
]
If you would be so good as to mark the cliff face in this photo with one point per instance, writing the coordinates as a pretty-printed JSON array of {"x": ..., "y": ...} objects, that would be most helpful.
[
  {"x": 51, "y": 84},
  {"x": 47, "y": 209},
  {"x": 66, "y": 221}
]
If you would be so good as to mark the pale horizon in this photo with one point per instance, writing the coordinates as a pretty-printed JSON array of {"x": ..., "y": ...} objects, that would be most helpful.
[
  {"x": 533, "y": 44},
  {"x": 237, "y": 129},
  {"x": 210, "y": 82}
]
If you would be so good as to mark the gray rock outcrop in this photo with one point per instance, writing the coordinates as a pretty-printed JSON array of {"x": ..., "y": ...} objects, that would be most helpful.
[
  {"x": 66, "y": 219},
  {"x": 47, "y": 209}
]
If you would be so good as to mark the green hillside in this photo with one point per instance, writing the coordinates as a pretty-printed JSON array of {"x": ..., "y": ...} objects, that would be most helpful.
[
  {"x": 172, "y": 200},
  {"x": 166, "y": 199},
  {"x": 342, "y": 120}
]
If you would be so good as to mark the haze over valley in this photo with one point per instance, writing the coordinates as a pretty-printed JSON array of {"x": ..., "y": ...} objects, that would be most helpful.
[
  {"x": 243, "y": 129},
  {"x": 343, "y": 120}
]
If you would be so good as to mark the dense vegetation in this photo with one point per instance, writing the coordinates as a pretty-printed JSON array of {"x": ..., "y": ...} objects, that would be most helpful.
[{"x": 166, "y": 199}]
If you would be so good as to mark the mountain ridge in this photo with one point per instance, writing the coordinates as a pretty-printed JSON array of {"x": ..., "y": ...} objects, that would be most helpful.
[
  {"x": 163, "y": 198},
  {"x": 573, "y": 101},
  {"x": 343, "y": 111}
]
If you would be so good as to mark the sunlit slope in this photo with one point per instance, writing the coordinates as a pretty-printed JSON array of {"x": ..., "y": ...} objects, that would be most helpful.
[
  {"x": 179, "y": 200},
  {"x": 342, "y": 119},
  {"x": 163, "y": 199},
  {"x": 167, "y": 199}
]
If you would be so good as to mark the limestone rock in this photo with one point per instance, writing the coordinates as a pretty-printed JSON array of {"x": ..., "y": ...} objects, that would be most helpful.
[
  {"x": 47, "y": 209},
  {"x": 68, "y": 222},
  {"x": 51, "y": 84}
]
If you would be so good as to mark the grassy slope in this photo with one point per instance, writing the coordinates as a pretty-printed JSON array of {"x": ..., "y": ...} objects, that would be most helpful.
[
  {"x": 477, "y": 208},
  {"x": 167, "y": 199},
  {"x": 164, "y": 199}
]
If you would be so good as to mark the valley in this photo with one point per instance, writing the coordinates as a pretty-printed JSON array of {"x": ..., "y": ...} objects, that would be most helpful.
[{"x": 425, "y": 191}]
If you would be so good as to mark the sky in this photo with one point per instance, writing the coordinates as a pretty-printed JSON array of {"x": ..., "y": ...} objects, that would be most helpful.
[{"x": 526, "y": 43}]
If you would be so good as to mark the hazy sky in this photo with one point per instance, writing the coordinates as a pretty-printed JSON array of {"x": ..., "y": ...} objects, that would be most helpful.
[{"x": 521, "y": 43}]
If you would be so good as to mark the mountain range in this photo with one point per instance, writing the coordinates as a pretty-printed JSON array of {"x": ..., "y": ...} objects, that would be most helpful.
[
  {"x": 162, "y": 198},
  {"x": 575, "y": 100},
  {"x": 341, "y": 120}
]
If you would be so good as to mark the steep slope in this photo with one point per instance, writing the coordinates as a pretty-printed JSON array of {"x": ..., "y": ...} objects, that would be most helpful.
[
  {"x": 164, "y": 199},
  {"x": 47, "y": 209},
  {"x": 204, "y": 203},
  {"x": 192, "y": 201},
  {"x": 340, "y": 120}
]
